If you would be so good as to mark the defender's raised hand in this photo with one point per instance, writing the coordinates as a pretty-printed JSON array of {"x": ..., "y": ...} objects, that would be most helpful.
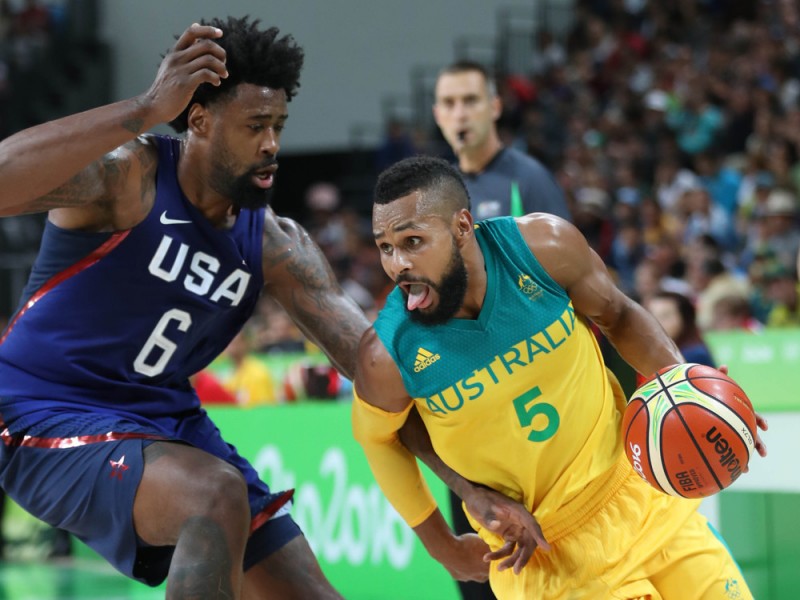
[{"x": 193, "y": 60}]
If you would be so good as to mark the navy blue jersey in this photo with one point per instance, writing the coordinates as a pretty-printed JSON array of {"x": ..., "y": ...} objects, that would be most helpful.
[{"x": 120, "y": 321}]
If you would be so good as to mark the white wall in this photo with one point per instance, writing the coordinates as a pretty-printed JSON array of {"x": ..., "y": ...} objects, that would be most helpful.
[{"x": 356, "y": 51}]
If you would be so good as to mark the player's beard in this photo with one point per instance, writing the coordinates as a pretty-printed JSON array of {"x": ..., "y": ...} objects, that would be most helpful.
[
  {"x": 451, "y": 289},
  {"x": 240, "y": 189}
]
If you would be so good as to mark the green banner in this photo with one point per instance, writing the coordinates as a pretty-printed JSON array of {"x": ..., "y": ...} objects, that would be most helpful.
[
  {"x": 363, "y": 545},
  {"x": 766, "y": 365}
]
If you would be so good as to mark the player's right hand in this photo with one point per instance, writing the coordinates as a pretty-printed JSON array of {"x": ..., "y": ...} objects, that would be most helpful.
[
  {"x": 464, "y": 560},
  {"x": 193, "y": 60}
]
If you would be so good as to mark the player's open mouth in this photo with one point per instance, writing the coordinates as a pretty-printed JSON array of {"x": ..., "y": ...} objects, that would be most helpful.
[
  {"x": 462, "y": 134},
  {"x": 419, "y": 295},
  {"x": 265, "y": 178}
]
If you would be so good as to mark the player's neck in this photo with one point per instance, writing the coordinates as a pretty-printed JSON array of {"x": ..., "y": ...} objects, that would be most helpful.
[
  {"x": 214, "y": 207},
  {"x": 477, "y": 282},
  {"x": 475, "y": 160}
]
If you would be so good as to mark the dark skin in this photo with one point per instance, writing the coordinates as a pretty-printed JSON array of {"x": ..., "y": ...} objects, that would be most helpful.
[
  {"x": 99, "y": 176},
  {"x": 415, "y": 235}
]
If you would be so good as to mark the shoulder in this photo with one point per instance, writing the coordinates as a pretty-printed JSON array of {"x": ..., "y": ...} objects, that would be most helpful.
[
  {"x": 281, "y": 237},
  {"x": 521, "y": 160},
  {"x": 557, "y": 244},
  {"x": 543, "y": 230},
  {"x": 142, "y": 149},
  {"x": 283, "y": 229}
]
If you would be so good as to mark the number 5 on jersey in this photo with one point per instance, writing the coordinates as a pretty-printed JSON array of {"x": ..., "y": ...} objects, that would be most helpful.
[{"x": 528, "y": 409}]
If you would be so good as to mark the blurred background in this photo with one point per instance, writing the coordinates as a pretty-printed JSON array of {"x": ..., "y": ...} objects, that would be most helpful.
[{"x": 673, "y": 128}]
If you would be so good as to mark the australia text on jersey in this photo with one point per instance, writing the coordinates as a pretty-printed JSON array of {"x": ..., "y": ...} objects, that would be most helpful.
[{"x": 503, "y": 365}]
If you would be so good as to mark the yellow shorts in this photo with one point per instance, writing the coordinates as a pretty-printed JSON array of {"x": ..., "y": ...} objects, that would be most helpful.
[{"x": 622, "y": 539}]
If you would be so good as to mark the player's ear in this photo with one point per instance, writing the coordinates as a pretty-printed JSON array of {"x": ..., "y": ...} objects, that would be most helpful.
[
  {"x": 198, "y": 119},
  {"x": 464, "y": 224}
]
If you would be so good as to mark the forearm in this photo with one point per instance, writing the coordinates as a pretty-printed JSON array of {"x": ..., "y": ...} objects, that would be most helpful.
[
  {"x": 393, "y": 466},
  {"x": 436, "y": 535},
  {"x": 641, "y": 341},
  {"x": 57, "y": 150},
  {"x": 336, "y": 329}
]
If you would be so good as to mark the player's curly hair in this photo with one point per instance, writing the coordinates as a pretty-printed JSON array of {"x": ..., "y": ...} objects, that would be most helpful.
[
  {"x": 424, "y": 173},
  {"x": 252, "y": 56}
]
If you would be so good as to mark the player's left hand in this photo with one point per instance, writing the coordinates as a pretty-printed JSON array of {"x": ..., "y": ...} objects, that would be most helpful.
[
  {"x": 511, "y": 521},
  {"x": 761, "y": 424}
]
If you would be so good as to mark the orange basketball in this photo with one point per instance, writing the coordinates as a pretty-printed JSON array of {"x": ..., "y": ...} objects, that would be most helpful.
[{"x": 689, "y": 430}]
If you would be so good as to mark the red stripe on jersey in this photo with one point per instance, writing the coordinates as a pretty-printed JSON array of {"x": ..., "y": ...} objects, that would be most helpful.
[
  {"x": 271, "y": 508},
  {"x": 101, "y": 251}
]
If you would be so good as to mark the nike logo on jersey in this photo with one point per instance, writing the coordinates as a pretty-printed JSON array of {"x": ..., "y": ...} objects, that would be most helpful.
[{"x": 165, "y": 220}]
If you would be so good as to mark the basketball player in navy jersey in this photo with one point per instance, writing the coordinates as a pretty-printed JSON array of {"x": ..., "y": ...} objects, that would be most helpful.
[{"x": 154, "y": 254}]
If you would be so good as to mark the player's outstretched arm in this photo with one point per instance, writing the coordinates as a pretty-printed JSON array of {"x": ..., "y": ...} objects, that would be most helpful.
[
  {"x": 380, "y": 408},
  {"x": 299, "y": 277},
  {"x": 36, "y": 161}
]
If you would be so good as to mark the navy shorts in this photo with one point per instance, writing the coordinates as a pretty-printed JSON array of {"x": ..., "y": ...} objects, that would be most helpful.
[{"x": 79, "y": 471}]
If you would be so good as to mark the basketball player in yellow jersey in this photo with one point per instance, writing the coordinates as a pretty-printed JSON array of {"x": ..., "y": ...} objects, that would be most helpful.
[{"x": 486, "y": 333}]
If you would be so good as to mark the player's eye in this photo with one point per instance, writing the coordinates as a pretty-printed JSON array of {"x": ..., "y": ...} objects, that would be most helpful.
[{"x": 385, "y": 248}]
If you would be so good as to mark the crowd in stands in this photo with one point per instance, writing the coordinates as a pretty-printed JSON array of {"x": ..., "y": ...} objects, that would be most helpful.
[{"x": 674, "y": 130}]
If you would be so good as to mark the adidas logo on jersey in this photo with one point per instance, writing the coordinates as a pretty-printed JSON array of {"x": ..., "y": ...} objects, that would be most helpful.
[{"x": 424, "y": 359}]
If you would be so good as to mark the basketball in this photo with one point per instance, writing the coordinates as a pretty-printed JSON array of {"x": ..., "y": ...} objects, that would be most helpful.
[{"x": 689, "y": 430}]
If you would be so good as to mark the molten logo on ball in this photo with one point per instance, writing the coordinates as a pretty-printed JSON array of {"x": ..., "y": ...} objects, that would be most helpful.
[
  {"x": 727, "y": 457},
  {"x": 689, "y": 430}
]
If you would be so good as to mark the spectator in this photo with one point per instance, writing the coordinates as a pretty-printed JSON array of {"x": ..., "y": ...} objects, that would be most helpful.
[
  {"x": 781, "y": 289},
  {"x": 210, "y": 390},
  {"x": 696, "y": 121},
  {"x": 733, "y": 313},
  {"x": 273, "y": 331},
  {"x": 627, "y": 251},
  {"x": 711, "y": 281},
  {"x": 705, "y": 217},
  {"x": 592, "y": 215},
  {"x": 676, "y": 314},
  {"x": 250, "y": 381},
  {"x": 779, "y": 232}
]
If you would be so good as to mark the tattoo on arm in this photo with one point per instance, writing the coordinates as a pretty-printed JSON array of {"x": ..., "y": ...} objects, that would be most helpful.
[
  {"x": 324, "y": 312},
  {"x": 149, "y": 164},
  {"x": 93, "y": 184},
  {"x": 133, "y": 125},
  {"x": 317, "y": 303},
  {"x": 275, "y": 249}
]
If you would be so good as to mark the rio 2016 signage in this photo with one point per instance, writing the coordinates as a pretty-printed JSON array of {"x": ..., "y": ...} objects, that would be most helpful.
[
  {"x": 362, "y": 544},
  {"x": 342, "y": 519}
]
